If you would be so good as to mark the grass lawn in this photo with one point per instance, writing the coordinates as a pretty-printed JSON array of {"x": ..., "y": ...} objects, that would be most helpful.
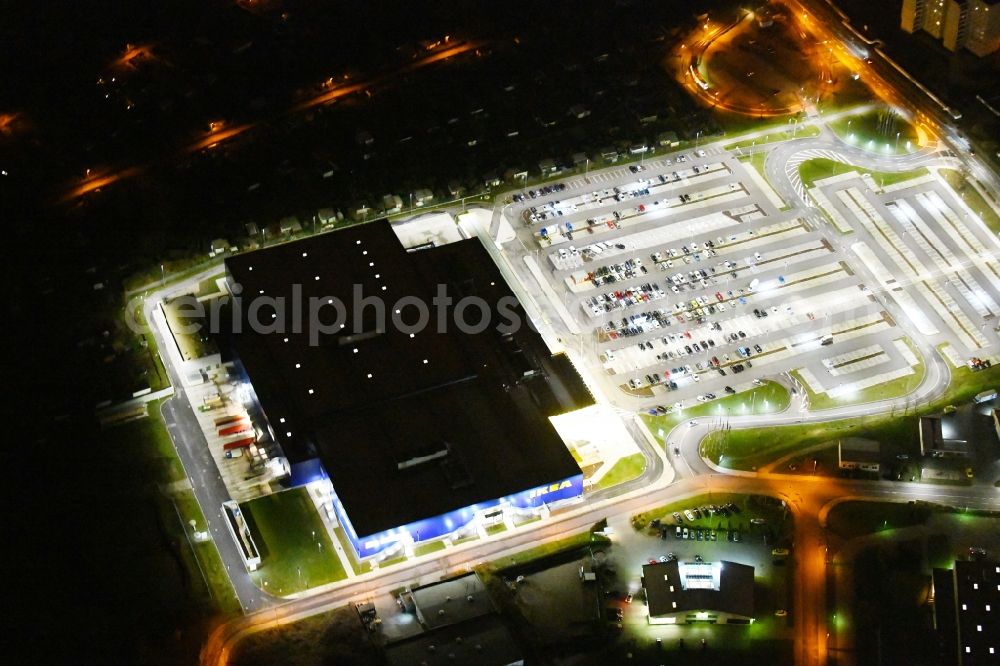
[
  {"x": 146, "y": 363},
  {"x": 208, "y": 286},
  {"x": 173, "y": 271},
  {"x": 333, "y": 637},
  {"x": 735, "y": 124},
  {"x": 518, "y": 522},
  {"x": 545, "y": 549},
  {"x": 496, "y": 529},
  {"x": 208, "y": 563},
  {"x": 202, "y": 560},
  {"x": 139, "y": 594},
  {"x": 426, "y": 548},
  {"x": 972, "y": 198},
  {"x": 345, "y": 543},
  {"x": 876, "y": 130},
  {"x": 827, "y": 463},
  {"x": 150, "y": 436},
  {"x": 853, "y": 519},
  {"x": 965, "y": 384},
  {"x": 756, "y": 161},
  {"x": 894, "y": 388},
  {"x": 180, "y": 318},
  {"x": 748, "y": 449},
  {"x": 751, "y": 506},
  {"x": 806, "y": 132},
  {"x": 820, "y": 168},
  {"x": 769, "y": 398},
  {"x": 625, "y": 469},
  {"x": 296, "y": 552}
]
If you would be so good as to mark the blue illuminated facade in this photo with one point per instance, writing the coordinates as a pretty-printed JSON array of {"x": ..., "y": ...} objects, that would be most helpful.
[{"x": 438, "y": 526}]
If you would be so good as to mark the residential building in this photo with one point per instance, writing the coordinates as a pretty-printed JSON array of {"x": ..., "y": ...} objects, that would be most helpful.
[
  {"x": 970, "y": 24},
  {"x": 858, "y": 453}
]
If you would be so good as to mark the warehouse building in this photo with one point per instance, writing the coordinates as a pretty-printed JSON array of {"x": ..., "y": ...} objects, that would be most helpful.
[{"x": 421, "y": 430}]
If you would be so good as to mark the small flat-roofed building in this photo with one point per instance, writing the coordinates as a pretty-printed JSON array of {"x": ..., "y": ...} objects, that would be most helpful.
[
  {"x": 859, "y": 453},
  {"x": 422, "y": 197},
  {"x": 483, "y": 641},
  {"x": 547, "y": 166},
  {"x": 933, "y": 443},
  {"x": 685, "y": 592},
  {"x": 327, "y": 216},
  {"x": 461, "y": 626},
  {"x": 290, "y": 225},
  {"x": 930, "y": 434},
  {"x": 451, "y": 601},
  {"x": 668, "y": 138},
  {"x": 967, "y": 612},
  {"x": 392, "y": 203}
]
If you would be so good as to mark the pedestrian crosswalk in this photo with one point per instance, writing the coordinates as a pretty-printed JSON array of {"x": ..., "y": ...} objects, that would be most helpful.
[{"x": 796, "y": 160}]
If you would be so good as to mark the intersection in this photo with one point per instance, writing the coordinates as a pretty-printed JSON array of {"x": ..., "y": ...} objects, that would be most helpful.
[
  {"x": 818, "y": 245},
  {"x": 677, "y": 280}
]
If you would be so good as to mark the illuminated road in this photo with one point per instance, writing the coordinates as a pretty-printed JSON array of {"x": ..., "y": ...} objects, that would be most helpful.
[
  {"x": 888, "y": 82},
  {"x": 221, "y": 134},
  {"x": 806, "y": 495}
]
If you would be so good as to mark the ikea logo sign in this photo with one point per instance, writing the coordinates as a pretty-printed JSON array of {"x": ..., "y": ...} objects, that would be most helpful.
[{"x": 545, "y": 490}]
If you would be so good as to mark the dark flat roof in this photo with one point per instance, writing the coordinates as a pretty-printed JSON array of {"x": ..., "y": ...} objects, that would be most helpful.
[
  {"x": 484, "y": 641},
  {"x": 470, "y": 397},
  {"x": 977, "y": 585},
  {"x": 452, "y": 601}
]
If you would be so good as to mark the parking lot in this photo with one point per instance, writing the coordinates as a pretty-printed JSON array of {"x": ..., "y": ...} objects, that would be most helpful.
[
  {"x": 739, "y": 524},
  {"x": 689, "y": 283}
]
